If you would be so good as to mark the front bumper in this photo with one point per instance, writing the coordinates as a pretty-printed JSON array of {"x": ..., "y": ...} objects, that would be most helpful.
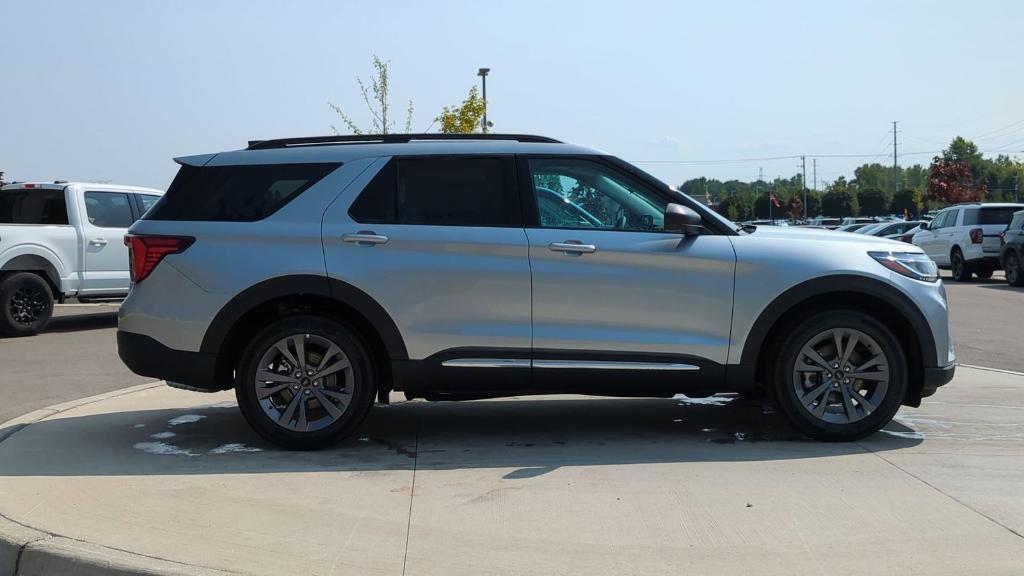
[
  {"x": 936, "y": 377},
  {"x": 145, "y": 356}
]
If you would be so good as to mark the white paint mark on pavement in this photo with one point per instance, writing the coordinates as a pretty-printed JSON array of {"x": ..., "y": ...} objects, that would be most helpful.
[
  {"x": 185, "y": 419},
  {"x": 229, "y": 448},
  {"x": 709, "y": 401},
  {"x": 162, "y": 449},
  {"x": 162, "y": 435}
]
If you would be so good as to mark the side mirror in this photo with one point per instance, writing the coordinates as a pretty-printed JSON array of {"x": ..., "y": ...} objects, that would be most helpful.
[
  {"x": 679, "y": 218},
  {"x": 924, "y": 225}
]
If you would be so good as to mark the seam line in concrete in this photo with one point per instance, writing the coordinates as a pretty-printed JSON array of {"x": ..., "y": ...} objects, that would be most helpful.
[
  {"x": 987, "y": 369},
  {"x": 38, "y": 415},
  {"x": 940, "y": 491},
  {"x": 412, "y": 490}
]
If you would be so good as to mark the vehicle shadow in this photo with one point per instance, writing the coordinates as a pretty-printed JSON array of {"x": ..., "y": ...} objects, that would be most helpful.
[
  {"x": 1002, "y": 286},
  {"x": 79, "y": 322},
  {"x": 519, "y": 438}
]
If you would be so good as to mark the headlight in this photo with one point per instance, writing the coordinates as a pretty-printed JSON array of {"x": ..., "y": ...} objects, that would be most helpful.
[{"x": 910, "y": 264}]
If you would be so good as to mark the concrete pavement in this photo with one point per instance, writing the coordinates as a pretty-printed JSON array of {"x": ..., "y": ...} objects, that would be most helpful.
[{"x": 158, "y": 481}]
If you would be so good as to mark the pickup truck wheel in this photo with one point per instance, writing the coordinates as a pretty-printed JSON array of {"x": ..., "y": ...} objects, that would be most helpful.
[
  {"x": 840, "y": 376},
  {"x": 1014, "y": 275},
  {"x": 961, "y": 272},
  {"x": 27, "y": 304},
  {"x": 305, "y": 382}
]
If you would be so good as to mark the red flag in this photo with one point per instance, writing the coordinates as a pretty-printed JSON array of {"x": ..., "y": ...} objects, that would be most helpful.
[{"x": 775, "y": 200}]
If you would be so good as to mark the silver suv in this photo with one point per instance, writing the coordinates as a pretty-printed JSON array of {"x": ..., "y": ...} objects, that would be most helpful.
[{"x": 315, "y": 275}]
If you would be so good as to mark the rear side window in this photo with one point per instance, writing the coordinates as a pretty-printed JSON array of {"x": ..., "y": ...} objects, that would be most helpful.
[
  {"x": 450, "y": 191},
  {"x": 35, "y": 206},
  {"x": 108, "y": 209},
  {"x": 983, "y": 216},
  {"x": 146, "y": 201},
  {"x": 235, "y": 193}
]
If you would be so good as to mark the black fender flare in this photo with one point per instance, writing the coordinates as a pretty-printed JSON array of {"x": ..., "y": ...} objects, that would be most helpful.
[
  {"x": 808, "y": 289},
  {"x": 298, "y": 285}
]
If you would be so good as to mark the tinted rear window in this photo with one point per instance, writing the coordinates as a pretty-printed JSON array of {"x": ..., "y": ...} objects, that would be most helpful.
[
  {"x": 235, "y": 193},
  {"x": 982, "y": 216},
  {"x": 33, "y": 206},
  {"x": 440, "y": 192}
]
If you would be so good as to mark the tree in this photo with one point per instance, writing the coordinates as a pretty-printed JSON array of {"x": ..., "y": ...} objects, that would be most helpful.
[
  {"x": 813, "y": 204},
  {"x": 377, "y": 97},
  {"x": 795, "y": 207},
  {"x": 731, "y": 208},
  {"x": 952, "y": 181},
  {"x": 465, "y": 118},
  {"x": 903, "y": 202},
  {"x": 839, "y": 203},
  {"x": 873, "y": 202}
]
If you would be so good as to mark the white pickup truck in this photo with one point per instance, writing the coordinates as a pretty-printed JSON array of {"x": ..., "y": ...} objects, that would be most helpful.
[{"x": 60, "y": 240}]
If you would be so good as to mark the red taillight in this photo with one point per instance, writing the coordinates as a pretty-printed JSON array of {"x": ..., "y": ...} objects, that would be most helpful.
[
  {"x": 976, "y": 235},
  {"x": 145, "y": 252}
]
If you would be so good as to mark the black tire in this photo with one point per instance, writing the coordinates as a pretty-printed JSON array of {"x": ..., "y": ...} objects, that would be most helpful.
[
  {"x": 364, "y": 383},
  {"x": 26, "y": 304},
  {"x": 961, "y": 271},
  {"x": 1014, "y": 274},
  {"x": 784, "y": 388},
  {"x": 984, "y": 273}
]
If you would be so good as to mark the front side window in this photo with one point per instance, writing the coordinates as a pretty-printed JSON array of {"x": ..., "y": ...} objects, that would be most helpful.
[
  {"x": 445, "y": 191},
  {"x": 33, "y": 206},
  {"x": 580, "y": 193},
  {"x": 108, "y": 209}
]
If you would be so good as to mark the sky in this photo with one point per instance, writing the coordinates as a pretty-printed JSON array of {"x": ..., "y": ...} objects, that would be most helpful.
[{"x": 113, "y": 91}]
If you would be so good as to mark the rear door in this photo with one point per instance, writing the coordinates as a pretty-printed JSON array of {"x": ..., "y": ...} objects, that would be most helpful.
[
  {"x": 438, "y": 243},
  {"x": 105, "y": 264},
  {"x": 612, "y": 290}
]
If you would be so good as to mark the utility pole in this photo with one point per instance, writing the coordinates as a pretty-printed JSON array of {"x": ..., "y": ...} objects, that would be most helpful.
[
  {"x": 895, "y": 159},
  {"x": 814, "y": 162},
  {"x": 803, "y": 182},
  {"x": 482, "y": 73},
  {"x": 1016, "y": 186}
]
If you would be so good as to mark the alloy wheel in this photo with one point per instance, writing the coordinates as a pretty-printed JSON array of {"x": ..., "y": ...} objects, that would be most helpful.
[
  {"x": 1012, "y": 270},
  {"x": 27, "y": 305},
  {"x": 841, "y": 376},
  {"x": 304, "y": 382}
]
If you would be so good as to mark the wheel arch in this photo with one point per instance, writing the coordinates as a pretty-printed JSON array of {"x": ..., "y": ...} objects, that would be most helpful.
[
  {"x": 873, "y": 297},
  {"x": 41, "y": 265},
  {"x": 280, "y": 297}
]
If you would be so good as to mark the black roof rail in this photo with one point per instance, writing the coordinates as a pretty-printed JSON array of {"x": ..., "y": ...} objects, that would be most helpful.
[{"x": 388, "y": 139}]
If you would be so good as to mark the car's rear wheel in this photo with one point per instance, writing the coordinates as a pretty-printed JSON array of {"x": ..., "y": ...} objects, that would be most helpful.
[
  {"x": 27, "y": 304},
  {"x": 840, "y": 376},
  {"x": 1014, "y": 275},
  {"x": 305, "y": 382},
  {"x": 961, "y": 273}
]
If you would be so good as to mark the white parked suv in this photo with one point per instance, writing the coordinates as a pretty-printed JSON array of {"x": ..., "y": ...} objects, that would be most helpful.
[
  {"x": 965, "y": 238},
  {"x": 59, "y": 240}
]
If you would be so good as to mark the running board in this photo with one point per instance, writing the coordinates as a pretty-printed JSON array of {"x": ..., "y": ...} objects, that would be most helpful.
[{"x": 565, "y": 364}]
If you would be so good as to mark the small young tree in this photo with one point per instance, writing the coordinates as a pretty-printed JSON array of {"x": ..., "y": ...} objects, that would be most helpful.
[
  {"x": 952, "y": 181},
  {"x": 464, "y": 118},
  {"x": 795, "y": 207},
  {"x": 377, "y": 97}
]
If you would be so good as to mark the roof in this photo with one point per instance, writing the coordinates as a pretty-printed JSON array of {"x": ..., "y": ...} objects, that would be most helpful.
[
  {"x": 989, "y": 205},
  {"x": 348, "y": 148},
  {"x": 61, "y": 184}
]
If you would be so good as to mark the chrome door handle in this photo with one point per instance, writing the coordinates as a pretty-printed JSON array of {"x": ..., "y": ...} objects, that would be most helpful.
[
  {"x": 572, "y": 248},
  {"x": 364, "y": 238},
  {"x": 98, "y": 242}
]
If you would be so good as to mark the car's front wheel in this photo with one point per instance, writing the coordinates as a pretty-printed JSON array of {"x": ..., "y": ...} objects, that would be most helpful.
[
  {"x": 840, "y": 375},
  {"x": 1012, "y": 265},
  {"x": 305, "y": 382}
]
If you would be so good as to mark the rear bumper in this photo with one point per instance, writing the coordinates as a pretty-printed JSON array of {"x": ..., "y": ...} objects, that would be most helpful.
[{"x": 147, "y": 357}]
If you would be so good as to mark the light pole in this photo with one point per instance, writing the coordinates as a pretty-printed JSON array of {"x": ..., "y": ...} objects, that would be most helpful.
[{"x": 482, "y": 73}]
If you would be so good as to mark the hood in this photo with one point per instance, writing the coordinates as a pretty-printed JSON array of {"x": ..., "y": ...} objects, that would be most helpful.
[{"x": 820, "y": 235}]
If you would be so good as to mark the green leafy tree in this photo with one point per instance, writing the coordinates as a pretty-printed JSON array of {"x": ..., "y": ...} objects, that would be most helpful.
[
  {"x": 464, "y": 118},
  {"x": 813, "y": 204},
  {"x": 839, "y": 203},
  {"x": 903, "y": 202},
  {"x": 873, "y": 202},
  {"x": 377, "y": 97},
  {"x": 731, "y": 208}
]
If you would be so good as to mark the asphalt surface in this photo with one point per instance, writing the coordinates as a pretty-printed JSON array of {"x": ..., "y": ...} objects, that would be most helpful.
[{"x": 77, "y": 355}]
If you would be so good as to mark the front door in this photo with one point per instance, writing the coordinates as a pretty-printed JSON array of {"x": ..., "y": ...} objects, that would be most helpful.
[
  {"x": 611, "y": 288},
  {"x": 105, "y": 265}
]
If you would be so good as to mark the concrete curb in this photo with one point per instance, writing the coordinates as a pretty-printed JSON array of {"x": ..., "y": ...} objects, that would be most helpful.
[{"x": 26, "y": 551}]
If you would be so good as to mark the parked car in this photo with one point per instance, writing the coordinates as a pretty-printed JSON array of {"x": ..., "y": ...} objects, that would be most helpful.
[
  {"x": 854, "y": 227},
  {"x": 1011, "y": 250},
  {"x": 62, "y": 239},
  {"x": 894, "y": 230},
  {"x": 908, "y": 236},
  {"x": 313, "y": 275},
  {"x": 965, "y": 238},
  {"x": 824, "y": 222}
]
